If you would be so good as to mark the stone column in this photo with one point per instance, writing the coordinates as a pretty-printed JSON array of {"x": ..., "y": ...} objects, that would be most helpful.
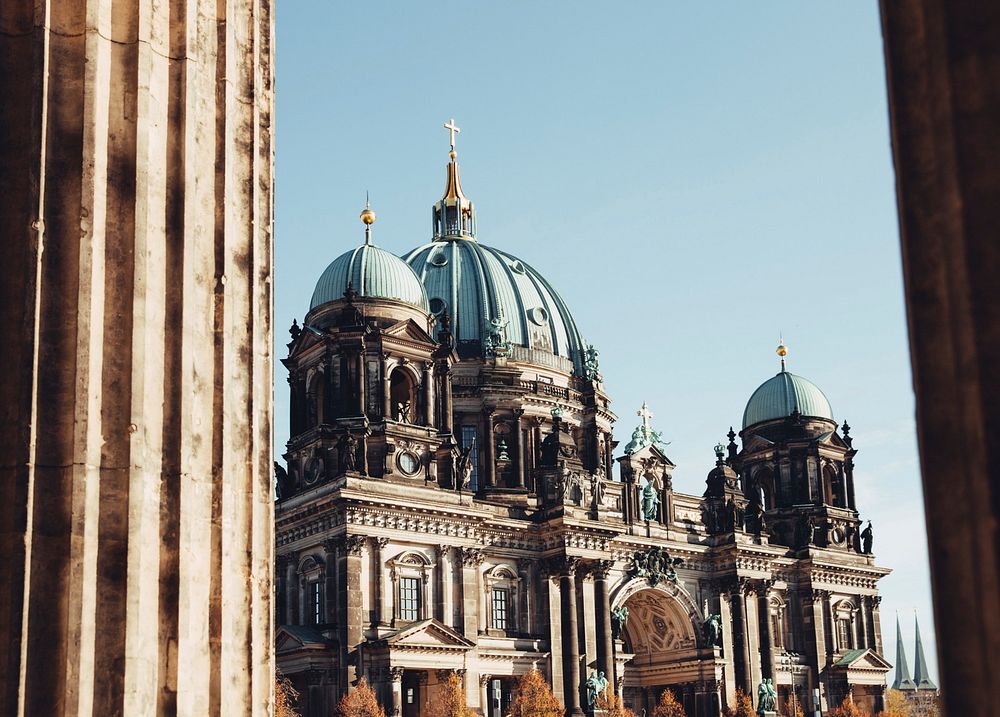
[
  {"x": 490, "y": 455},
  {"x": 136, "y": 508},
  {"x": 362, "y": 386},
  {"x": 386, "y": 389},
  {"x": 382, "y": 586},
  {"x": 396, "y": 676},
  {"x": 519, "y": 448},
  {"x": 291, "y": 589},
  {"x": 566, "y": 568},
  {"x": 753, "y": 636},
  {"x": 471, "y": 559},
  {"x": 484, "y": 694},
  {"x": 442, "y": 605},
  {"x": 744, "y": 674},
  {"x": 864, "y": 631},
  {"x": 729, "y": 624},
  {"x": 764, "y": 630},
  {"x": 330, "y": 587},
  {"x": 602, "y": 619},
  {"x": 877, "y": 623},
  {"x": 446, "y": 419},
  {"x": 353, "y": 626},
  {"x": 428, "y": 384}
]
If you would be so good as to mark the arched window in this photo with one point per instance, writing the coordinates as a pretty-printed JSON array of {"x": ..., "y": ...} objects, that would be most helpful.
[
  {"x": 763, "y": 481},
  {"x": 410, "y": 574},
  {"x": 312, "y": 574},
  {"x": 316, "y": 397},
  {"x": 502, "y": 586},
  {"x": 776, "y": 612},
  {"x": 402, "y": 396},
  {"x": 844, "y": 620},
  {"x": 834, "y": 482}
]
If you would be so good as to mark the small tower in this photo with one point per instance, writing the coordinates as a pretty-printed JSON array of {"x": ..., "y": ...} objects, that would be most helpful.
[
  {"x": 921, "y": 677},
  {"x": 454, "y": 214}
]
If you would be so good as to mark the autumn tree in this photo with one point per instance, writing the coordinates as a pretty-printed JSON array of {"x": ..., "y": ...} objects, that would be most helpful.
[
  {"x": 896, "y": 705},
  {"x": 613, "y": 706},
  {"x": 284, "y": 697},
  {"x": 450, "y": 699},
  {"x": 360, "y": 702},
  {"x": 847, "y": 708},
  {"x": 533, "y": 698},
  {"x": 668, "y": 706},
  {"x": 743, "y": 706}
]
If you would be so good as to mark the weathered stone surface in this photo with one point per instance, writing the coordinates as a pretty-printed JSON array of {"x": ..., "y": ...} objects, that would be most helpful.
[
  {"x": 135, "y": 380},
  {"x": 943, "y": 66}
]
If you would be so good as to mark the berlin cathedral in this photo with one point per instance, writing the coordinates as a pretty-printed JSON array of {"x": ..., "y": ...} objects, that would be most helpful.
[{"x": 454, "y": 501}]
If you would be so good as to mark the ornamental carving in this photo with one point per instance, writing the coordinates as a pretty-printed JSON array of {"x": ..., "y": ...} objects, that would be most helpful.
[
  {"x": 656, "y": 565},
  {"x": 471, "y": 557},
  {"x": 600, "y": 568},
  {"x": 354, "y": 544}
]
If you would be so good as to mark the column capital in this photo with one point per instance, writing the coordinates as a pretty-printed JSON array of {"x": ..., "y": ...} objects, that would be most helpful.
[
  {"x": 380, "y": 543},
  {"x": 354, "y": 544},
  {"x": 484, "y": 680},
  {"x": 396, "y": 674},
  {"x": 600, "y": 568},
  {"x": 471, "y": 557},
  {"x": 562, "y": 565}
]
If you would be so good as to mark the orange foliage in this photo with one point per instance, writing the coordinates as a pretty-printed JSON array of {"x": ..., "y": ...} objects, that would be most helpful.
[
  {"x": 450, "y": 699},
  {"x": 613, "y": 706},
  {"x": 847, "y": 708},
  {"x": 668, "y": 706},
  {"x": 743, "y": 706},
  {"x": 284, "y": 697},
  {"x": 533, "y": 698},
  {"x": 360, "y": 702}
]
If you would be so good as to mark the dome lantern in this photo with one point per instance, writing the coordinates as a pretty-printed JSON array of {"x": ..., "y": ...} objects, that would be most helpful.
[{"x": 454, "y": 214}]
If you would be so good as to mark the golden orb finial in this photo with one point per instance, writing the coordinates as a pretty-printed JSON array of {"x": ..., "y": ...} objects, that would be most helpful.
[
  {"x": 367, "y": 217},
  {"x": 782, "y": 350}
]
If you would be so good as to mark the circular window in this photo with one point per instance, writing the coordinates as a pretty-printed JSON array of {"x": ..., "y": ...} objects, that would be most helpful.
[
  {"x": 408, "y": 463},
  {"x": 517, "y": 267},
  {"x": 439, "y": 259},
  {"x": 437, "y": 305},
  {"x": 538, "y": 315}
]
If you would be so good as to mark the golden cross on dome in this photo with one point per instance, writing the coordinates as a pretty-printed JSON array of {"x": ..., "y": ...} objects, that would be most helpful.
[
  {"x": 646, "y": 414},
  {"x": 452, "y": 131}
]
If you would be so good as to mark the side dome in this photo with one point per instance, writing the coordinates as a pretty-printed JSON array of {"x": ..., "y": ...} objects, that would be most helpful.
[
  {"x": 477, "y": 284},
  {"x": 372, "y": 272},
  {"x": 780, "y": 396}
]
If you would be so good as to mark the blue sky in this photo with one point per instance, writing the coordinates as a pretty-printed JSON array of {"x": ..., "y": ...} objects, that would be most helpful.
[{"x": 693, "y": 178}]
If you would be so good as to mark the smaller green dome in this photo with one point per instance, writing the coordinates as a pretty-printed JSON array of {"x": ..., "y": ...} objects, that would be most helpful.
[
  {"x": 372, "y": 272},
  {"x": 780, "y": 396}
]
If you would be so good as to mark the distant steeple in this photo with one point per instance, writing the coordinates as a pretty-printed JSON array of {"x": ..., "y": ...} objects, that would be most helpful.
[
  {"x": 454, "y": 214},
  {"x": 903, "y": 680},
  {"x": 920, "y": 674}
]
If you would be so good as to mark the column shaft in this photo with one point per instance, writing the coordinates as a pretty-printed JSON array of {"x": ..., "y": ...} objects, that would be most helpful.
[
  {"x": 602, "y": 624},
  {"x": 570, "y": 644}
]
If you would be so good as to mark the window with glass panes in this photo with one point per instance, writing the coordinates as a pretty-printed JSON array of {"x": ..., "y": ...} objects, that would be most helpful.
[
  {"x": 409, "y": 599},
  {"x": 315, "y": 599},
  {"x": 844, "y": 633},
  {"x": 500, "y": 606}
]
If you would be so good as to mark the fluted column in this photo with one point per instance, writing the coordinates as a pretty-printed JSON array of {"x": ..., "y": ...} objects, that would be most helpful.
[
  {"x": 135, "y": 378},
  {"x": 602, "y": 620},
  {"x": 396, "y": 676}
]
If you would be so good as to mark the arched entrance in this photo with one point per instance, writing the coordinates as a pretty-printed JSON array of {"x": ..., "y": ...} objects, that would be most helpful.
[{"x": 660, "y": 649}]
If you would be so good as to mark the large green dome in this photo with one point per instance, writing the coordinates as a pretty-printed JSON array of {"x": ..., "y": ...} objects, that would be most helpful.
[
  {"x": 780, "y": 396},
  {"x": 372, "y": 272},
  {"x": 477, "y": 285}
]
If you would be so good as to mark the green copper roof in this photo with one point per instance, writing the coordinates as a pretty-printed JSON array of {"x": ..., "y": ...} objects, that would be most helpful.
[
  {"x": 921, "y": 676},
  {"x": 780, "y": 396},
  {"x": 903, "y": 680},
  {"x": 373, "y": 272},
  {"x": 477, "y": 284}
]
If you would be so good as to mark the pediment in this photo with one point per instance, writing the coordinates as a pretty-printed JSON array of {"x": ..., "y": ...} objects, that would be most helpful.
[
  {"x": 756, "y": 443},
  {"x": 289, "y": 638},
  {"x": 649, "y": 452},
  {"x": 409, "y": 330},
  {"x": 429, "y": 634},
  {"x": 866, "y": 659}
]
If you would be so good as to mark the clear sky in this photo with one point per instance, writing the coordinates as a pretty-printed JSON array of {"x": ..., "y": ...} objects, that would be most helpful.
[{"x": 693, "y": 178}]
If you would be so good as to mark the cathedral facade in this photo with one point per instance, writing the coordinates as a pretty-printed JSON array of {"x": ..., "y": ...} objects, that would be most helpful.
[{"x": 454, "y": 500}]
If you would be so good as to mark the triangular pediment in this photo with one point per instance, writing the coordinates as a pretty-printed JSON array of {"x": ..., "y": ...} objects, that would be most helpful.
[
  {"x": 756, "y": 443},
  {"x": 647, "y": 453},
  {"x": 289, "y": 638},
  {"x": 429, "y": 633},
  {"x": 409, "y": 330},
  {"x": 866, "y": 659}
]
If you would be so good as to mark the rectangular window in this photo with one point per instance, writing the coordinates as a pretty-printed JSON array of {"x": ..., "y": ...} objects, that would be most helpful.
[
  {"x": 470, "y": 436},
  {"x": 409, "y": 599},
  {"x": 500, "y": 608},
  {"x": 315, "y": 598},
  {"x": 844, "y": 633}
]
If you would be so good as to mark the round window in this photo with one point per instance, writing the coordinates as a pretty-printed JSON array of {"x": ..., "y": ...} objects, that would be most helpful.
[
  {"x": 437, "y": 305},
  {"x": 538, "y": 315},
  {"x": 439, "y": 259},
  {"x": 408, "y": 463},
  {"x": 517, "y": 266}
]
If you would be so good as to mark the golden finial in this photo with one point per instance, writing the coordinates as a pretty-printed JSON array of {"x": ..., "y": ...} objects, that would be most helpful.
[
  {"x": 453, "y": 129},
  {"x": 367, "y": 218},
  {"x": 782, "y": 351}
]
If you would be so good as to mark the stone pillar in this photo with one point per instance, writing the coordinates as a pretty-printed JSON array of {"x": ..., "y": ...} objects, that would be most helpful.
[
  {"x": 471, "y": 559},
  {"x": 442, "y": 605},
  {"x": 877, "y": 623},
  {"x": 602, "y": 618},
  {"x": 353, "y": 626},
  {"x": 382, "y": 586},
  {"x": 362, "y": 385},
  {"x": 490, "y": 476},
  {"x": 728, "y": 643},
  {"x": 753, "y": 636},
  {"x": 864, "y": 628},
  {"x": 764, "y": 631},
  {"x": 519, "y": 468},
  {"x": 136, "y": 507},
  {"x": 396, "y": 676},
  {"x": 484, "y": 694},
  {"x": 428, "y": 385},
  {"x": 566, "y": 568},
  {"x": 330, "y": 587},
  {"x": 386, "y": 389},
  {"x": 744, "y": 674},
  {"x": 291, "y": 589},
  {"x": 446, "y": 419}
]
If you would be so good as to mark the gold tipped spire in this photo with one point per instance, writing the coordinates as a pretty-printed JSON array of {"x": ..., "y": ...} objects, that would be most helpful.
[
  {"x": 367, "y": 218},
  {"x": 453, "y": 129},
  {"x": 454, "y": 215}
]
